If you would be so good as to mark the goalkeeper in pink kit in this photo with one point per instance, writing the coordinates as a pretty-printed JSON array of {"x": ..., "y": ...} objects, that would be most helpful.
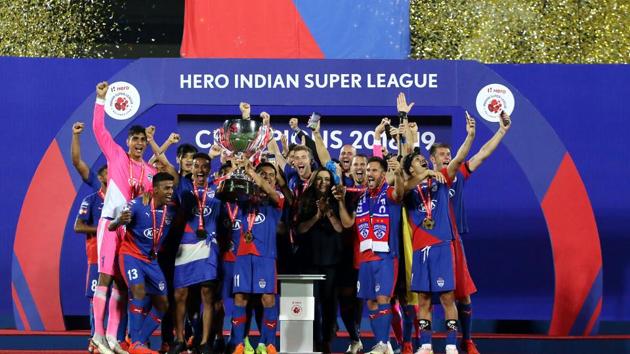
[{"x": 129, "y": 177}]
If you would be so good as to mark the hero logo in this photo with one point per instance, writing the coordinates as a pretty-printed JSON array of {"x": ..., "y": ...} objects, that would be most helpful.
[
  {"x": 206, "y": 210},
  {"x": 492, "y": 99},
  {"x": 122, "y": 101},
  {"x": 148, "y": 233},
  {"x": 423, "y": 210}
]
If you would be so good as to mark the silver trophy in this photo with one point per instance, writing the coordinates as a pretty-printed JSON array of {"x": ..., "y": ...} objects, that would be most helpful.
[{"x": 242, "y": 138}]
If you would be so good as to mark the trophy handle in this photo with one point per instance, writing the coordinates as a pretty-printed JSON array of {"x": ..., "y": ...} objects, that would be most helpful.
[
  {"x": 261, "y": 140},
  {"x": 219, "y": 139}
]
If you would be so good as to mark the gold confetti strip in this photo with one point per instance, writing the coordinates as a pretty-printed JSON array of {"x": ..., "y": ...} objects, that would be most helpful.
[
  {"x": 498, "y": 31},
  {"x": 55, "y": 28}
]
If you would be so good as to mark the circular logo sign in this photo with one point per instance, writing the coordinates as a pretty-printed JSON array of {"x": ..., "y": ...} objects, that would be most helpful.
[
  {"x": 122, "y": 100},
  {"x": 492, "y": 99}
]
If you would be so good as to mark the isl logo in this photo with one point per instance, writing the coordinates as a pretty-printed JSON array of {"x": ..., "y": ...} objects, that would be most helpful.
[
  {"x": 122, "y": 100},
  {"x": 492, "y": 99}
]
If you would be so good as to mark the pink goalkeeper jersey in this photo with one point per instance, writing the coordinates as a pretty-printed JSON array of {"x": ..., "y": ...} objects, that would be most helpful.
[{"x": 119, "y": 167}]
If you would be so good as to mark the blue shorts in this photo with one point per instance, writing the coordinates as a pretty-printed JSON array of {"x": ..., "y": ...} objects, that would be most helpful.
[
  {"x": 137, "y": 271},
  {"x": 227, "y": 278},
  {"x": 433, "y": 269},
  {"x": 91, "y": 280},
  {"x": 377, "y": 278},
  {"x": 254, "y": 275},
  {"x": 195, "y": 263}
]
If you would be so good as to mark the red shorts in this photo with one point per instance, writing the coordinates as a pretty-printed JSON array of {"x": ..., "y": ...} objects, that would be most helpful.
[{"x": 464, "y": 285}]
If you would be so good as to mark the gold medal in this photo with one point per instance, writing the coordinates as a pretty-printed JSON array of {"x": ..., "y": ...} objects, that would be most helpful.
[
  {"x": 428, "y": 223},
  {"x": 249, "y": 237}
]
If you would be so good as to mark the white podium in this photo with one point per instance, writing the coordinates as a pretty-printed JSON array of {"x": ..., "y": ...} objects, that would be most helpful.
[{"x": 297, "y": 312}]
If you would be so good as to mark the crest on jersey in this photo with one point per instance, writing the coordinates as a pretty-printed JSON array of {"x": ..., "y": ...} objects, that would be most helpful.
[
  {"x": 150, "y": 177},
  {"x": 377, "y": 287},
  {"x": 262, "y": 283},
  {"x": 440, "y": 282},
  {"x": 364, "y": 230},
  {"x": 379, "y": 230},
  {"x": 162, "y": 286}
]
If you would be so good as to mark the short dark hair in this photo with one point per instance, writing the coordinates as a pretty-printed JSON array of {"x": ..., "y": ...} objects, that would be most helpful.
[
  {"x": 362, "y": 156},
  {"x": 291, "y": 147},
  {"x": 136, "y": 129},
  {"x": 304, "y": 148},
  {"x": 162, "y": 176},
  {"x": 436, "y": 146},
  {"x": 184, "y": 149},
  {"x": 407, "y": 162},
  {"x": 101, "y": 169},
  {"x": 265, "y": 164},
  {"x": 201, "y": 155},
  {"x": 379, "y": 160}
]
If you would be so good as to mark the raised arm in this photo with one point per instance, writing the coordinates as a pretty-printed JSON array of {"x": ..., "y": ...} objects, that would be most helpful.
[
  {"x": 75, "y": 151},
  {"x": 320, "y": 148},
  {"x": 262, "y": 183},
  {"x": 103, "y": 137},
  {"x": 463, "y": 150},
  {"x": 158, "y": 155},
  {"x": 488, "y": 148}
]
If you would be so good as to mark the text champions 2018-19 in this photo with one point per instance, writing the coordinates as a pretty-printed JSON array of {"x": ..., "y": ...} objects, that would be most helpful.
[{"x": 309, "y": 81}]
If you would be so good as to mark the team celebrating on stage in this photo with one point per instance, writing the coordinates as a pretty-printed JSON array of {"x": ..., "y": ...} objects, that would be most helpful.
[{"x": 166, "y": 249}]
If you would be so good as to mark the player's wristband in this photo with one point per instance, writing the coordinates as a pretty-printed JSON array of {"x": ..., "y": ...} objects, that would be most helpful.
[{"x": 402, "y": 115}]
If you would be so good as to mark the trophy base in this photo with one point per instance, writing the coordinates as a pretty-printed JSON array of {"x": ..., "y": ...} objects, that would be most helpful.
[{"x": 236, "y": 189}]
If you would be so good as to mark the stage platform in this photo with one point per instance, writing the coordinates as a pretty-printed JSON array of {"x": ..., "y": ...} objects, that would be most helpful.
[{"x": 12, "y": 341}]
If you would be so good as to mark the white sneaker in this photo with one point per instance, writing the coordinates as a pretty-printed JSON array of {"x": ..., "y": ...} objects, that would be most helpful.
[
  {"x": 390, "y": 350},
  {"x": 379, "y": 348},
  {"x": 354, "y": 347},
  {"x": 451, "y": 349},
  {"x": 425, "y": 349},
  {"x": 100, "y": 342},
  {"x": 114, "y": 345}
]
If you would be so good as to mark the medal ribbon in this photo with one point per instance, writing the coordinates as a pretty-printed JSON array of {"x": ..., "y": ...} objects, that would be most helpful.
[
  {"x": 251, "y": 218},
  {"x": 231, "y": 214},
  {"x": 136, "y": 185},
  {"x": 101, "y": 194},
  {"x": 426, "y": 200},
  {"x": 201, "y": 203},
  {"x": 157, "y": 233}
]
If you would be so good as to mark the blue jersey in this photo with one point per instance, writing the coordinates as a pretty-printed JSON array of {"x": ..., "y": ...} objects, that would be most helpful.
[
  {"x": 456, "y": 193},
  {"x": 190, "y": 208},
  {"x": 442, "y": 230},
  {"x": 138, "y": 240},
  {"x": 265, "y": 219},
  {"x": 90, "y": 213}
]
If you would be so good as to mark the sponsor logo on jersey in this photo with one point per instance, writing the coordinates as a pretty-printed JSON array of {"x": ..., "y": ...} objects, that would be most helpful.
[
  {"x": 260, "y": 218},
  {"x": 206, "y": 210},
  {"x": 122, "y": 102},
  {"x": 148, "y": 233},
  {"x": 433, "y": 204}
]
